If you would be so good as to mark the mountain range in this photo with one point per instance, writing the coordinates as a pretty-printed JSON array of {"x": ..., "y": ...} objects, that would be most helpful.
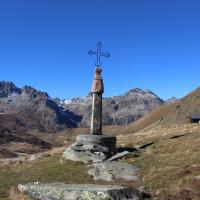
[
  {"x": 32, "y": 109},
  {"x": 117, "y": 110}
]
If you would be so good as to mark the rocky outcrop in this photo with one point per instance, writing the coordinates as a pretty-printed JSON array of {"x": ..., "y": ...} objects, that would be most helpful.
[
  {"x": 62, "y": 191},
  {"x": 8, "y": 88},
  {"x": 37, "y": 110},
  {"x": 111, "y": 170},
  {"x": 117, "y": 110}
]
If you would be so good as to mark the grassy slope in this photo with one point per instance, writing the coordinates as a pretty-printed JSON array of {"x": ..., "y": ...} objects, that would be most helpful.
[
  {"x": 190, "y": 104},
  {"x": 50, "y": 168},
  {"x": 150, "y": 118},
  {"x": 170, "y": 161},
  {"x": 170, "y": 165}
]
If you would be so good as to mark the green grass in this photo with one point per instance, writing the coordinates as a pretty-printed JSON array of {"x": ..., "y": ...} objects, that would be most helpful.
[{"x": 48, "y": 169}]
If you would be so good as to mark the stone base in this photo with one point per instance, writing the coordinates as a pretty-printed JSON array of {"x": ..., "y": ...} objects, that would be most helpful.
[
  {"x": 62, "y": 191},
  {"x": 91, "y": 148}
]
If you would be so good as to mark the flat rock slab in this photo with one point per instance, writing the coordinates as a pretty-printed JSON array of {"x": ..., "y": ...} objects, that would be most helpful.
[
  {"x": 119, "y": 155},
  {"x": 111, "y": 170},
  {"x": 60, "y": 191}
]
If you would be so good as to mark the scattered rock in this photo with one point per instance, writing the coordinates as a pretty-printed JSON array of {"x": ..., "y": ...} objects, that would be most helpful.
[
  {"x": 35, "y": 157},
  {"x": 112, "y": 170},
  {"x": 60, "y": 191},
  {"x": 197, "y": 177},
  {"x": 184, "y": 173},
  {"x": 146, "y": 145},
  {"x": 119, "y": 155},
  {"x": 144, "y": 192}
]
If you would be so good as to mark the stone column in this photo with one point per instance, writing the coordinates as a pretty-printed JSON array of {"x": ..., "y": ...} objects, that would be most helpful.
[{"x": 97, "y": 91}]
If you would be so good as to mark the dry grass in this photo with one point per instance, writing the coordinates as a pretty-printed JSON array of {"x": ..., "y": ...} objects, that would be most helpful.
[
  {"x": 149, "y": 119},
  {"x": 68, "y": 136},
  {"x": 14, "y": 194},
  {"x": 180, "y": 113},
  {"x": 170, "y": 165}
]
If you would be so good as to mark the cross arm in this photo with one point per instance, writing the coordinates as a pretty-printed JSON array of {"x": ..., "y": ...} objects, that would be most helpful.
[
  {"x": 106, "y": 54},
  {"x": 91, "y": 52}
]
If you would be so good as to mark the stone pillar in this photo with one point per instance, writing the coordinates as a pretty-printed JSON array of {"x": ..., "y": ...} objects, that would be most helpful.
[{"x": 97, "y": 91}]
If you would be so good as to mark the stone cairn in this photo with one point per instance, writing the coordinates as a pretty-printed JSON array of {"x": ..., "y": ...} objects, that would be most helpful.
[{"x": 95, "y": 147}]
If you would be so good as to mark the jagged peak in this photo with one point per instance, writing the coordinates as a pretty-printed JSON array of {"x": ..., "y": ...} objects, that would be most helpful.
[
  {"x": 6, "y": 82},
  {"x": 172, "y": 99},
  {"x": 139, "y": 91},
  {"x": 29, "y": 90},
  {"x": 8, "y": 88}
]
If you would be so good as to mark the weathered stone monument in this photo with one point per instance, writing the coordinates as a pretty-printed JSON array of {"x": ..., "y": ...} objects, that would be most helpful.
[
  {"x": 95, "y": 147},
  {"x": 97, "y": 91}
]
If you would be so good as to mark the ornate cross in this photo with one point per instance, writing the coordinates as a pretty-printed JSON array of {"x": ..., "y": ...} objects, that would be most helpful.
[{"x": 99, "y": 54}]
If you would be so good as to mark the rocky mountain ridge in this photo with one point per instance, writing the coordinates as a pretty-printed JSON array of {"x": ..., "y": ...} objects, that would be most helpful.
[
  {"x": 8, "y": 88},
  {"x": 33, "y": 109},
  {"x": 37, "y": 110},
  {"x": 117, "y": 110}
]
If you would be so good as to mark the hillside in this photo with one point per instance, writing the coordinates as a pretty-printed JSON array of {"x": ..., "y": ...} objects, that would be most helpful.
[
  {"x": 15, "y": 144},
  {"x": 168, "y": 115},
  {"x": 32, "y": 109},
  {"x": 151, "y": 119},
  {"x": 168, "y": 159},
  {"x": 190, "y": 104},
  {"x": 170, "y": 146}
]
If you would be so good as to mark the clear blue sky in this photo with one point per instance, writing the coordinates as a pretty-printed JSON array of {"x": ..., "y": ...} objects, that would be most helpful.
[{"x": 155, "y": 44}]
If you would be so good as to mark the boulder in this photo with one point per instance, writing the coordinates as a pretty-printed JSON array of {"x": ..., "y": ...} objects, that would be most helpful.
[
  {"x": 60, "y": 191},
  {"x": 111, "y": 170},
  {"x": 91, "y": 148}
]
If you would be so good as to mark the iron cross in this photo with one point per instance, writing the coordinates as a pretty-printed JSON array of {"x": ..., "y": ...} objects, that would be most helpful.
[{"x": 99, "y": 54}]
